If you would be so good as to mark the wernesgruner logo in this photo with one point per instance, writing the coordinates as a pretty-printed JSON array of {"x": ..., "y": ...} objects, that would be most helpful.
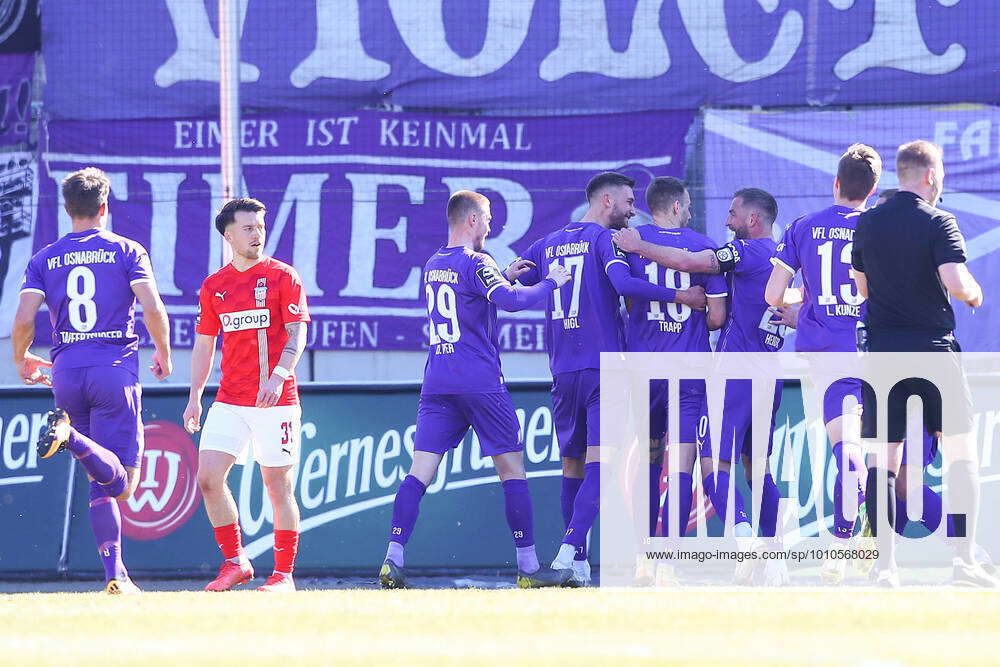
[{"x": 168, "y": 487}]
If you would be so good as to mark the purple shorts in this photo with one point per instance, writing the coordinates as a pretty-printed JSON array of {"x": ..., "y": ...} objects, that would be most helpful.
[
  {"x": 444, "y": 419},
  {"x": 736, "y": 422},
  {"x": 833, "y": 400},
  {"x": 104, "y": 403},
  {"x": 692, "y": 398},
  {"x": 576, "y": 411}
]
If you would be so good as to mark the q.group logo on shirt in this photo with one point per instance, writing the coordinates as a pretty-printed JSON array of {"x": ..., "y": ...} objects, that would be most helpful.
[
  {"x": 244, "y": 320},
  {"x": 168, "y": 493}
]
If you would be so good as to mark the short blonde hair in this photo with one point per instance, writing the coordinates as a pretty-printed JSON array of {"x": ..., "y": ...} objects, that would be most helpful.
[{"x": 916, "y": 157}]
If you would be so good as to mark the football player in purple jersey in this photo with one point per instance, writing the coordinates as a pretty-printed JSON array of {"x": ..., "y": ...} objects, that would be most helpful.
[
  {"x": 464, "y": 385},
  {"x": 666, "y": 327},
  {"x": 746, "y": 261},
  {"x": 90, "y": 280},
  {"x": 819, "y": 246},
  {"x": 583, "y": 319}
]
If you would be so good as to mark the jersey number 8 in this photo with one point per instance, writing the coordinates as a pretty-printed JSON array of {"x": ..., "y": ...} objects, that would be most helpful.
[{"x": 81, "y": 288}]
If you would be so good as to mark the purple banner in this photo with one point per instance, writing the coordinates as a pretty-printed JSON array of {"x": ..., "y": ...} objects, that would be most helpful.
[
  {"x": 17, "y": 71},
  {"x": 794, "y": 156},
  {"x": 161, "y": 59},
  {"x": 355, "y": 202}
]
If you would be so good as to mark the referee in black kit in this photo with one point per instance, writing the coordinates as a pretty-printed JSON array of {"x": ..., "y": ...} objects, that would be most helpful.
[{"x": 908, "y": 256}]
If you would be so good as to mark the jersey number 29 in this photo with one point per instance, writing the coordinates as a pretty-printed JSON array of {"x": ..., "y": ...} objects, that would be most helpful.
[{"x": 445, "y": 303}]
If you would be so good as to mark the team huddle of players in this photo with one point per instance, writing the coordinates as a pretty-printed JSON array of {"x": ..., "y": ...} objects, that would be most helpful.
[{"x": 678, "y": 286}]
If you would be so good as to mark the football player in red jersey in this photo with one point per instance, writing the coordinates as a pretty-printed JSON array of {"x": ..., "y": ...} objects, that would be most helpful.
[{"x": 259, "y": 306}]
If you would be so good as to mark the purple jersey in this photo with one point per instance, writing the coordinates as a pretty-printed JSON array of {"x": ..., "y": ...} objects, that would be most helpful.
[
  {"x": 748, "y": 327},
  {"x": 582, "y": 317},
  {"x": 86, "y": 279},
  {"x": 464, "y": 354},
  {"x": 819, "y": 245},
  {"x": 654, "y": 326}
]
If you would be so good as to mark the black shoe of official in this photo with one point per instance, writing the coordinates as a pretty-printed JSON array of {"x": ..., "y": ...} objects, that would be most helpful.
[
  {"x": 543, "y": 577},
  {"x": 56, "y": 434},
  {"x": 391, "y": 575}
]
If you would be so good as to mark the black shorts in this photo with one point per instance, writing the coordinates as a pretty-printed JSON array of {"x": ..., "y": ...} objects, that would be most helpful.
[{"x": 896, "y": 340}]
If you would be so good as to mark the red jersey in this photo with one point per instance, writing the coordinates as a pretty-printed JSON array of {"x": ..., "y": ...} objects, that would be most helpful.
[{"x": 251, "y": 309}]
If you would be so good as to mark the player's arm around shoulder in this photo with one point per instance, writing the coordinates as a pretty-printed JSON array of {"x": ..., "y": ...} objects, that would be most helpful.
[{"x": 702, "y": 261}]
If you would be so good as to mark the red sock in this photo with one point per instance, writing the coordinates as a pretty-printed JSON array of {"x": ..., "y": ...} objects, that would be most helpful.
[
  {"x": 229, "y": 540},
  {"x": 286, "y": 545}
]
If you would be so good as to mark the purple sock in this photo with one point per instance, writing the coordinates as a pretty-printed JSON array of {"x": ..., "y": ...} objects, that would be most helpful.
[
  {"x": 586, "y": 507},
  {"x": 717, "y": 489},
  {"x": 102, "y": 465},
  {"x": 901, "y": 518},
  {"x": 570, "y": 487},
  {"x": 106, "y": 522},
  {"x": 769, "y": 507},
  {"x": 843, "y": 528},
  {"x": 517, "y": 503},
  {"x": 655, "y": 473},
  {"x": 685, "y": 487},
  {"x": 405, "y": 509}
]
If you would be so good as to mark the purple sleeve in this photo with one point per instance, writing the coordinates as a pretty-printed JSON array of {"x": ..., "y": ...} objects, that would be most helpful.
[
  {"x": 513, "y": 299},
  {"x": 486, "y": 275},
  {"x": 609, "y": 254},
  {"x": 535, "y": 275},
  {"x": 139, "y": 268},
  {"x": 787, "y": 252},
  {"x": 33, "y": 277},
  {"x": 635, "y": 288},
  {"x": 716, "y": 285}
]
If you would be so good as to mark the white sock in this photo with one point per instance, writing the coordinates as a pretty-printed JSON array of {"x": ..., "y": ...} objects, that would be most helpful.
[
  {"x": 742, "y": 529},
  {"x": 564, "y": 559}
]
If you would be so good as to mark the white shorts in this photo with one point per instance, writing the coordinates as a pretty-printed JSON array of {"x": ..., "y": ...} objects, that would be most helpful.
[{"x": 274, "y": 433}]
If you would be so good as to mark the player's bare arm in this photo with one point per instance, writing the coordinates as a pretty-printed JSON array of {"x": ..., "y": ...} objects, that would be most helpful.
[
  {"x": 201, "y": 366},
  {"x": 154, "y": 314},
  {"x": 961, "y": 284},
  {"x": 703, "y": 261},
  {"x": 779, "y": 281},
  {"x": 23, "y": 335},
  {"x": 270, "y": 392},
  {"x": 692, "y": 297},
  {"x": 715, "y": 315},
  {"x": 861, "y": 280}
]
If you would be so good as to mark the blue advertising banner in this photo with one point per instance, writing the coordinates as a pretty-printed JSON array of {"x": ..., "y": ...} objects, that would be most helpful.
[
  {"x": 586, "y": 55},
  {"x": 357, "y": 446},
  {"x": 356, "y": 202},
  {"x": 794, "y": 157}
]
